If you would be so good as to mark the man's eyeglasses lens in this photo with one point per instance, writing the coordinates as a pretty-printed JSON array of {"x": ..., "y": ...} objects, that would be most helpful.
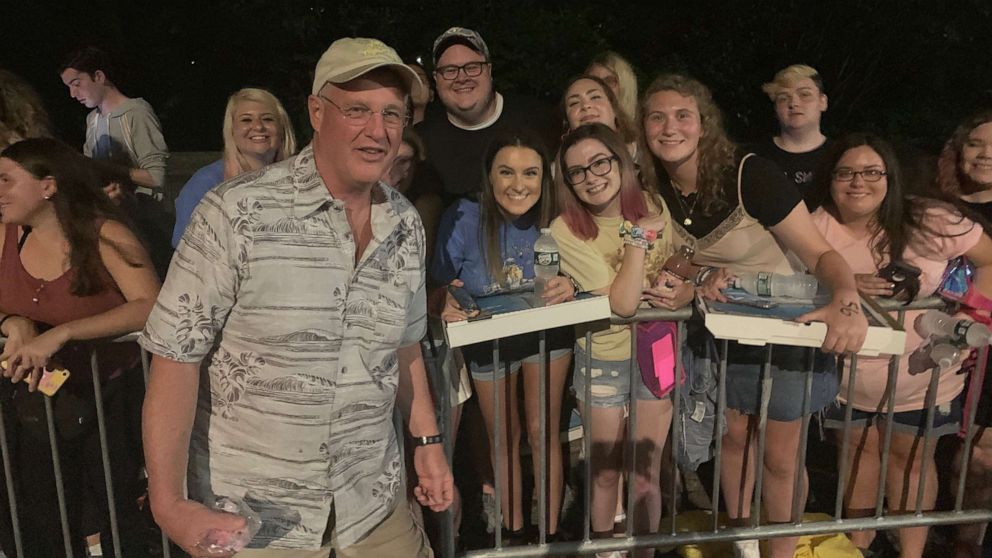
[
  {"x": 360, "y": 116},
  {"x": 599, "y": 167},
  {"x": 472, "y": 69}
]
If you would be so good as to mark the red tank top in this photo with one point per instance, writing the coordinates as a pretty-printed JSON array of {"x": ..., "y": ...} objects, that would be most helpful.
[{"x": 50, "y": 303}]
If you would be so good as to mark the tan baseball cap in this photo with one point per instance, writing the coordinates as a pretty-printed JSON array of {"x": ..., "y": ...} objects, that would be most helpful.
[{"x": 349, "y": 58}]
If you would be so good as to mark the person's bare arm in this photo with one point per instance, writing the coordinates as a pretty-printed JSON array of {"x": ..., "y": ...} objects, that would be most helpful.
[
  {"x": 167, "y": 424},
  {"x": 846, "y": 324},
  {"x": 413, "y": 396}
]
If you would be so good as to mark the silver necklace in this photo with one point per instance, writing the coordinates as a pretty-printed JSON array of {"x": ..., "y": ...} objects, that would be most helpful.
[{"x": 687, "y": 211}]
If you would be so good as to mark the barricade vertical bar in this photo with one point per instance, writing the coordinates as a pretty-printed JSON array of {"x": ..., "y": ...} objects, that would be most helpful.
[
  {"x": 845, "y": 470},
  {"x": 721, "y": 409},
  {"x": 630, "y": 456},
  {"x": 931, "y": 404},
  {"x": 497, "y": 448},
  {"x": 442, "y": 373},
  {"x": 8, "y": 477},
  {"x": 890, "y": 392},
  {"x": 798, "y": 484},
  {"x": 59, "y": 485},
  {"x": 759, "y": 458},
  {"x": 587, "y": 438},
  {"x": 976, "y": 375},
  {"x": 545, "y": 442},
  {"x": 676, "y": 429},
  {"x": 101, "y": 424}
]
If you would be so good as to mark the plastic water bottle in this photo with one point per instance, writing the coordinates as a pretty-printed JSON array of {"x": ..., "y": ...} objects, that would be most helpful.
[
  {"x": 763, "y": 283},
  {"x": 934, "y": 323},
  {"x": 944, "y": 355},
  {"x": 545, "y": 261},
  {"x": 217, "y": 541}
]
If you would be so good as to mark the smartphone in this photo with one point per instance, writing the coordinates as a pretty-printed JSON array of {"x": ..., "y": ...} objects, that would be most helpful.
[
  {"x": 464, "y": 299},
  {"x": 905, "y": 277},
  {"x": 52, "y": 380}
]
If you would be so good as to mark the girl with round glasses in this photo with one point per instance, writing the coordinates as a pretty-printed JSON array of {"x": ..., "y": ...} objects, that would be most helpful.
[
  {"x": 741, "y": 215},
  {"x": 866, "y": 216},
  {"x": 600, "y": 195},
  {"x": 487, "y": 248}
]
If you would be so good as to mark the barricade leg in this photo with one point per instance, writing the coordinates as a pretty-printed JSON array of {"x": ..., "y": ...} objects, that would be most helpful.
[{"x": 8, "y": 477}]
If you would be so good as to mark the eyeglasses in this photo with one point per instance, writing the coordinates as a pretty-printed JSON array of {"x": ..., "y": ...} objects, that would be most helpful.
[
  {"x": 847, "y": 175},
  {"x": 599, "y": 167},
  {"x": 472, "y": 69},
  {"x": 360, "y": 116}
]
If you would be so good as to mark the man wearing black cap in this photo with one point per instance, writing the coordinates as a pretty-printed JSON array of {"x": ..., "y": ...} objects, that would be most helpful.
[
  {"x": 300, "y": 288},
  {"x": 475, "y": 114}
]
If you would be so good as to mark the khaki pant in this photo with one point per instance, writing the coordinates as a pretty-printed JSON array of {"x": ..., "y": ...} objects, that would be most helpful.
[{"x": 396, "y": 537}]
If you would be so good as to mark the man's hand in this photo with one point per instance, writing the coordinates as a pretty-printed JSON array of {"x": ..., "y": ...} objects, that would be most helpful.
[
  {"x": 187, "y": 522},
  {"x": 436, "y": 486}
]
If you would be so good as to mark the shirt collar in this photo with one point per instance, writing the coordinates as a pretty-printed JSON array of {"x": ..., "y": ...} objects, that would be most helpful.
[{"x": 311, "y": 195}]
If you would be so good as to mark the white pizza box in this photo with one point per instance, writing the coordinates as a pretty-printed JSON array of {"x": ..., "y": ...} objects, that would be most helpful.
[
  {"x": 508, "y": 315},
  {"x": 757, "y": 326}
]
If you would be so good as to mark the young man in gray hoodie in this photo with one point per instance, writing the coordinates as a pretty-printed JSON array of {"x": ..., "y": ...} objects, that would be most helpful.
[{"x": 118, "y": 129}]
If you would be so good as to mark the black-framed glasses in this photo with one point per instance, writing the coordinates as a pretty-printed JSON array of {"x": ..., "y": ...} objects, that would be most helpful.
[
  {"x": 472, "y": 69},
  {"x": 847, "y": 175},
  {"x": 599, "y": 167},
  {"x": 360, "y": 116}
]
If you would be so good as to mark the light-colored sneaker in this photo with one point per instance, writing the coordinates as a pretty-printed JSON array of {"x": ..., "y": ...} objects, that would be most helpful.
[{"x": 747, "y": 549}]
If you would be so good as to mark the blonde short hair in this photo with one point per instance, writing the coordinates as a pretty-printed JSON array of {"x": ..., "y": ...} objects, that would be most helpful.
[
  {"x": 288, "y": 144},
  {"x": 790, "y": 75}
]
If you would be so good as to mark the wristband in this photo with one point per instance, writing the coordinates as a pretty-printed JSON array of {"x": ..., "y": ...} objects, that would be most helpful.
[
  {"x": 642, "y": 237},
  {"x": 419, "y": 441},
  {"x": 703, "y": 274},
  {"x": 576, "y": 287},
  {"x": 4, "y": 320}
]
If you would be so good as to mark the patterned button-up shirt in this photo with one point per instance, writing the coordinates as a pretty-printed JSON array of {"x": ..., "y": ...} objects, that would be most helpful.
[{"x": 298, "y": 345}]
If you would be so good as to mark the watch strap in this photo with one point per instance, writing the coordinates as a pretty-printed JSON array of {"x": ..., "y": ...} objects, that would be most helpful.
[{"x": 428, "y": 440}]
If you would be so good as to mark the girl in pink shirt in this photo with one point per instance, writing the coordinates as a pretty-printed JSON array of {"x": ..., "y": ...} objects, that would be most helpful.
[{"x": 868, "y": 220}]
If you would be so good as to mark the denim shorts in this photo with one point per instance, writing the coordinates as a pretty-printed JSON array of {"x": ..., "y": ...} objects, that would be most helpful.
[
  {"x": 788, "y": 372},
  {"x": 610, "y": 381},
  {"x": 946, "y": 419},
  {"x": 515, "y": 351}
]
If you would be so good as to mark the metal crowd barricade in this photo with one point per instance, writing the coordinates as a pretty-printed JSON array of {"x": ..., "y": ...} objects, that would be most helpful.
[
  {"x": 57, "y": 465},
  {"x": 668, "y": 534}
]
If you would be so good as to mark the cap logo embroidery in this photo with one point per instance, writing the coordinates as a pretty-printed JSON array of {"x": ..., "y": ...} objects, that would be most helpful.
[{"x": 374, "y": 48}]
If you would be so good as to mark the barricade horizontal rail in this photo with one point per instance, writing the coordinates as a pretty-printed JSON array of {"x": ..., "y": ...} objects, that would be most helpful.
[{"x": 668, "y": 535}]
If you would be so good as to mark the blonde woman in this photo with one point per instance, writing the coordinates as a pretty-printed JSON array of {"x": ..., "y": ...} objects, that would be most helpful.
[
  {"x": 257, "y": 132},
  {"x": 619, "y": 75}
]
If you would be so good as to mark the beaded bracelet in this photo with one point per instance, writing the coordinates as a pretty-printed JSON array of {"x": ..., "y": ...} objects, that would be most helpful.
[{"x": 637, "y": 236}]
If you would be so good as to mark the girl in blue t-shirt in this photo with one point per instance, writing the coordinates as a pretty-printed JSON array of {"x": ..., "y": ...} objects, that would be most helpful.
[{"x": 487, "y": 247}]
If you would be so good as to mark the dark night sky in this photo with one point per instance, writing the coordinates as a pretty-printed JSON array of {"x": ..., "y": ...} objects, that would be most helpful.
[{"x": 909, "y": 69}]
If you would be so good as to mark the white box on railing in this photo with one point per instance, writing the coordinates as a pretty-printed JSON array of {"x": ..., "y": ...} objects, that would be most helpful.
[
  {"x": 760, "y": 326},
  {"x": 515, "y": 314}
]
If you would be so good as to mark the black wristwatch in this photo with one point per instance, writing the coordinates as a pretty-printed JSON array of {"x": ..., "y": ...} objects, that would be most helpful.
[{"x": 428, "y": 440}]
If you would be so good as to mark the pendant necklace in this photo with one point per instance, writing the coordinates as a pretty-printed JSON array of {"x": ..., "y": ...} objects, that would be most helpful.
[{"x": 687, "y": 211}]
